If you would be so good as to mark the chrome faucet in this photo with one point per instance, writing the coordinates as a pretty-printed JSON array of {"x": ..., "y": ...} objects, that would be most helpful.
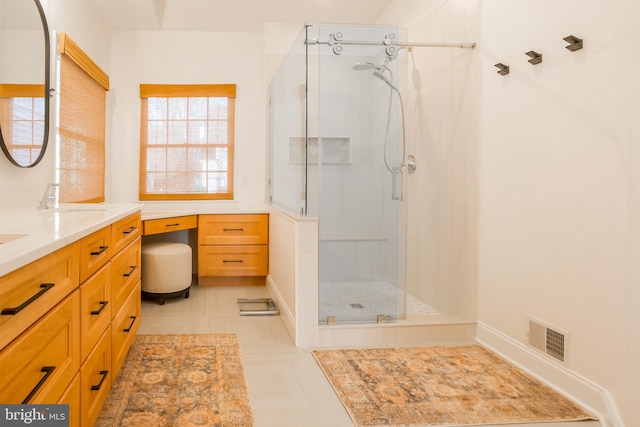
[{"x": 50, "y": 196}]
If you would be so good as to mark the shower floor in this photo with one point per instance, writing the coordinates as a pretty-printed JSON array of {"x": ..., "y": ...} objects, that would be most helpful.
[{"x": 364, "y": 301}]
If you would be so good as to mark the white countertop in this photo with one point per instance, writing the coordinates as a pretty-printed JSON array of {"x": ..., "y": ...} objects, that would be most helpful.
[
  {"x": 27, "y": 234},
  {"x": 158, "y": 210},
  {"x": 45, "y": 231}
]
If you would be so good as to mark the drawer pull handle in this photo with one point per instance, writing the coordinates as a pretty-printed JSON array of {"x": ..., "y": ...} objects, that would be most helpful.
[
  {"x": 15, "y": 310},
  {"x": 104, "y": 377},
  {"x": 233, "y": 229},
  {"x": 103, "y": 304},
  {"x": 130, "y": 230},
  {"x": 133, "y": 268},
  {"x": 232, "y": 260},
  {"x": 48, "y": 371},
  {"x": 133, "y": 320},
  {"x": 100, "y": 250},
  {"x": 173, "y": 225}
]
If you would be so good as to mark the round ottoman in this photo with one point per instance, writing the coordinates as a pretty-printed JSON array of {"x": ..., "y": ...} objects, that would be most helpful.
[{"x": 166, "y": 270}]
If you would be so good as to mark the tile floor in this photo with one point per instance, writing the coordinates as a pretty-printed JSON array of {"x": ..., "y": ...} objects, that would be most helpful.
[{"x": 286, "y": 386}]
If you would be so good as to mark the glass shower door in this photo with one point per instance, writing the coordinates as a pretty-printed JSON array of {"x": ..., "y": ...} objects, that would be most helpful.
[{"x": 355, "y": 155}]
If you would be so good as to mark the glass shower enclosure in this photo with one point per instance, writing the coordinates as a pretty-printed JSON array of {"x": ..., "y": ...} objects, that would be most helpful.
[{"x": 337, "y": 153}]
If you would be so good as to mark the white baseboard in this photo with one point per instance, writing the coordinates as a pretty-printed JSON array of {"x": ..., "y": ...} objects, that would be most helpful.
[
  {"x": 590, "y": 396},
  {"x": 288, "y": 318}
]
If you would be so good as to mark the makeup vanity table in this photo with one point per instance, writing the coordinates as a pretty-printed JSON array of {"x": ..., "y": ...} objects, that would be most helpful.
[{"x": 232, "y": 248}]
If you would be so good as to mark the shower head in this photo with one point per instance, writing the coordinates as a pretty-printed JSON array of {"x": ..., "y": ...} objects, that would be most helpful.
[
  {"x": 363, "y": 66},
  {"x": 378, "y": 71}
]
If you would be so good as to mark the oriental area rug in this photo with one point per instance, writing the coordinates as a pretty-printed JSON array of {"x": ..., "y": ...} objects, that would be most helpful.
[
  {"x": 180, "y": 380},
  {"x": 439, "y": 386}
]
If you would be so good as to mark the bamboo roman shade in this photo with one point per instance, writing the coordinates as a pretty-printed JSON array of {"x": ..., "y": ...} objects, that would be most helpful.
[
  {"x": 83, "y": 92},
  {"x": 186, "y": 141}
]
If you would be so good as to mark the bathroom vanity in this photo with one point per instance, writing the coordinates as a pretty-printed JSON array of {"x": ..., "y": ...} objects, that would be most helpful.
[
  {"x": 70, "y": 303},
  {"x": 232, "y": 248},
  {"x": 70, "y": 292}
]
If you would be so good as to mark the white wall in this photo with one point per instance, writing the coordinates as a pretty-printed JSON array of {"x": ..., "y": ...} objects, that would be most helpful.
[
  {"x": 188, "y": 57},
  {"x": 78, "y": 18},
  {"x": 558, "y": 178},
  {"x": 559, "y": 183},
  {"x": 154, "y": 57}
]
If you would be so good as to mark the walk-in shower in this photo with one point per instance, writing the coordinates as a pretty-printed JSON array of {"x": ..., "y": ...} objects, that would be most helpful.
[{"x": 338, "y": 153}]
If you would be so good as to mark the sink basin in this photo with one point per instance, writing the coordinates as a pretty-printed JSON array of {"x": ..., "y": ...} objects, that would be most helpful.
[{"x": 6, "y": 238}]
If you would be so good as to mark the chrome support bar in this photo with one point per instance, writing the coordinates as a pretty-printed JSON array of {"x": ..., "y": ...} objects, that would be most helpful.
[{"x": 461, "y": 45}]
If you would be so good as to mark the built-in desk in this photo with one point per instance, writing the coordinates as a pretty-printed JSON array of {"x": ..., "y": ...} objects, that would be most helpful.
[
  {"x": 166, "y": 225},
  {"x": 232, "y": 248}
]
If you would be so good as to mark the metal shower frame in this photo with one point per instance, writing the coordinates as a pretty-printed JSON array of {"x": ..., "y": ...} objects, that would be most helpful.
[{"x": 392, "y": 45}]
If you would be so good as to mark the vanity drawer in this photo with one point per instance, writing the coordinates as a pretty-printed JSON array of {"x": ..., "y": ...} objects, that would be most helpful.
[
  {"x": 95, "y": 309},
  {"x": 39, "y": 365},
  {"x": 95, "y": 380},
  {"x": 29, "y": 292},
  {"x": 71, "y": 397},
  {"x": 125, "y": 231},
  {"x": 164, "y": 225},
  {"x": 125, "y": 274},
  {"x": 124, "y": 327},
  {"x": 247, "y": 229},
  {"x": 250, "y": 260},
  {"x": 95, "y": 251}
]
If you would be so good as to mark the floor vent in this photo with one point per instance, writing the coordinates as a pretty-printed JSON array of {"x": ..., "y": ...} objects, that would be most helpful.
[{"x": 548, "y": 340}]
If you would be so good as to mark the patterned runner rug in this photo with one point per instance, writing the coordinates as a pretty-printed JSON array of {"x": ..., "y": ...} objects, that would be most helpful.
[
  {"x": 437, "y": 386},
  {"x": 180, "y": 380}
]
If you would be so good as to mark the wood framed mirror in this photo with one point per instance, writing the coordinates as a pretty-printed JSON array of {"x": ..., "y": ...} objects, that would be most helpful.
[{"x": 24, "y": 81}]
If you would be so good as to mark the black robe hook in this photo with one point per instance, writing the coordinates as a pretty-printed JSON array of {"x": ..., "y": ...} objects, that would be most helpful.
[
  {"x": 574, "y": 43},
  {"x": 536, "y": 57},
  {"x": 503, "y": 69}
]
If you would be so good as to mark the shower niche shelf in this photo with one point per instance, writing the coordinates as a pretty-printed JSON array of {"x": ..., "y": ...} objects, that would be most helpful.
[{"x": 331, "y": 150}]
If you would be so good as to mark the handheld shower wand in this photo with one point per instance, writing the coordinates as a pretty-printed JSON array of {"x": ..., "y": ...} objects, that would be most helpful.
[
  {"x": 378, "y": 72},
  {"x": 384, "y": 78}
]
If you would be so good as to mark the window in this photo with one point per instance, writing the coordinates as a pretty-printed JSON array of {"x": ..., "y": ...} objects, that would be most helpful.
[
  {"x": 82, "y": 110},
  {"x": 22, "y": 120},
  {"x": 186, "y": 142}
]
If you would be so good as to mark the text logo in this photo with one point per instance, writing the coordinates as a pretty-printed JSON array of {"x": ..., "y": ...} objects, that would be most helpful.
[{"x": 34, "y": 415}]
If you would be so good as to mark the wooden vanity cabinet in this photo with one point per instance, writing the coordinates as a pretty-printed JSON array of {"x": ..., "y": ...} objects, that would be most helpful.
[
  {"x": 113, "y": 280},
  {"x": 71, "y": 397},
  {"x": 125, "y": 231},
  {"x": 41, "y": 363},
  {"x": 27, "y": 293},
  {"x": 124, "y": 327},
  {"x": 166, "y": 225},
  {"x": 62, "y": 323},
  {"x": 95, "y": 251},
  {"x": 95, "y": 309},
  {"x": 233, "y": 249},
  {"x": 96, "y": 376},
  {"x": 125, "y": 274}
]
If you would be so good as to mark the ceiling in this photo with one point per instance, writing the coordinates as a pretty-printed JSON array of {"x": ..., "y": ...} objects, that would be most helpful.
[{"x": 233, "y": 15}]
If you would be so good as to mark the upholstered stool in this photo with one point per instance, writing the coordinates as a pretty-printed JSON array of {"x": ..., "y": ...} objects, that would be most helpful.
[{"x": 166, "y": 270}]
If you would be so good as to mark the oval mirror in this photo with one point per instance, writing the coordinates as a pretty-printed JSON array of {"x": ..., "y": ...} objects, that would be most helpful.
[{"x": 24, "y": 81}]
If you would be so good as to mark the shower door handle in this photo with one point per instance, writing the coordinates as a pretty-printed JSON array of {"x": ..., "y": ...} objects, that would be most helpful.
[{"x": 395, "y": 183}]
